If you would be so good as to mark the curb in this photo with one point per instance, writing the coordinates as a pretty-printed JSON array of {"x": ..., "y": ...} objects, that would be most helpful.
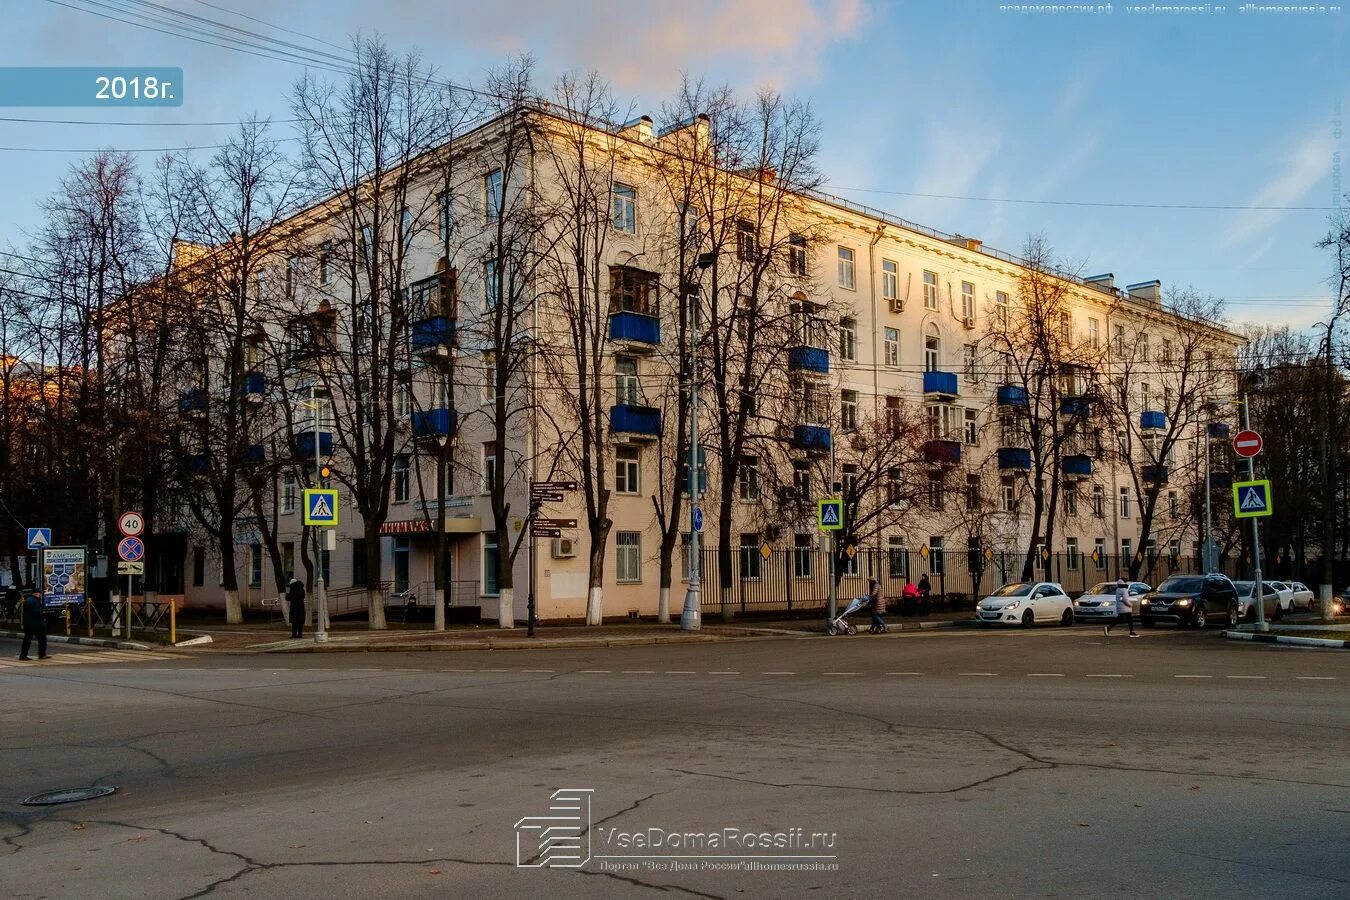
[
  {"x": 1284, "y": 639},
  {"x": 105, "y": 643},
  {"x": 509, "y": 644},
  {"x": 193, "y": 642}
]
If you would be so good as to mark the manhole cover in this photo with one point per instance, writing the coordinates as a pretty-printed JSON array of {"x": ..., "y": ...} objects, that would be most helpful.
[{"x": 71, "y": 795}]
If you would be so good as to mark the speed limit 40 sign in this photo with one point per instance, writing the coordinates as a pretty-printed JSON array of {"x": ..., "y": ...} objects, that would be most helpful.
[{"x": 131, "y": 523}]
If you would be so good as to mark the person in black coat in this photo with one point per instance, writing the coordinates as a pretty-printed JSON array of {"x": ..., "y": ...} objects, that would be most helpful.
[
  {"x": 34, "y": 624},
  {"x": 295, "y": 596}
]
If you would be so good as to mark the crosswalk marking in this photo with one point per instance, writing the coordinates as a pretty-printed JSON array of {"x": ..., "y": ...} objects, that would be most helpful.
[{"x": 92, "y": 657}]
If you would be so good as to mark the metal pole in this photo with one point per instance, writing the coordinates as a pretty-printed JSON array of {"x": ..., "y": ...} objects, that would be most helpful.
[
  {"x": 1258, "y": 595},
  {"x": 320, "y": 540},
  {"x": 691, "y": 616},
  {"x": 530, "y": 602},
  {"x": 1208, "y": 562},
  {"x": 833, "y": 609}
]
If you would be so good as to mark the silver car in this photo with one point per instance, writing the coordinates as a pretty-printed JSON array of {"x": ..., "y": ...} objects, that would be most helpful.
[{"x": 1099, "y": 601}]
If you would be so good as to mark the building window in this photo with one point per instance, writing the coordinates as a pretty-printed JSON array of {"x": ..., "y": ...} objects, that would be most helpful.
[
  {"x": 626, "y": 380},
  {"x": 801, "y": 481},
  {"x": 972, "y": 492},
  {"x": 359, "y": 562},
  {"x": 746, "y": 241},
  {"x": 288, "y": 559},
  {"x": 489, "y": 376},
  {"x": 1099, "y": 548},
  {"x": 942, "y": 422},
  {"x": 847, "y": 269},
  {"x": 1094, "y": 334},
  {"x": 632, "y": 290},
  {"x": 326, "y": 262},
  {"x": 491, "y": 559},
  {"x": 1071, "y": 553},
  {"x": 1173, "y": 504},
  {"x": 623, "y": 208},
  {"x": 850, "y": 484},
  {"x": 930, "y": 290},
  {"x": 1126, "y": 550},
  {"x": 489, "y": 465},
  {"x": 897, "y": 558},
  {"x": 893, "y": 423},
  {"x": 1065, "y": 328},
  {"x": 1071, "y": 499},
  {"x": 804, "y": 556},
  {"x": 972, "y": 430},
  {"x": 260, "y": 284},
  {"x": 445, "y": 216},
  {"x": 492, "y": 284},
  {"x": 1007, "y": 495},
  {"x": 402, "y": 478},
  {"x": 890, "y": 283},
  {"x": 891, "y": 347},
  {"x": 797, "y": 254},
  {"x": 937, "y": 561},
  {"x": 1166, "y": 351},
  {"x": 932, "y": 354},
  {"x": 628, "y": 556},
  {"x": 750, "y": 558},
  {"x": 493, "y": 199},
  {"x": 967, "y": 300},
  {"x": 700, "y": 472},
  {"x": 1001, "y": 308},
  {"x": 367, "y": 245},
  {"x": 288, "y": 492},
  {"x": 750, "y": 479},
  {"x": 936, "y": 496},
  {"x": 255, "y": 565},
  {"x": 1143, "y": 348},
  {"x": 1124, "y": 503},
  {"x": 198, "y": 566},
  {"x": 1098, "y": 501},
  {"x": 1120, "y": 340},
  {"x": 968, "y": 362},
  {"x": 848, "y": 338},
  {"x": 848, "y": 410},
  {"x": 626, "y": 469}
]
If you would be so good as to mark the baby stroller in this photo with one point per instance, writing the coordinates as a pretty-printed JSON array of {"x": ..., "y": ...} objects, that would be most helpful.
[{"x": 839, "y": 623}]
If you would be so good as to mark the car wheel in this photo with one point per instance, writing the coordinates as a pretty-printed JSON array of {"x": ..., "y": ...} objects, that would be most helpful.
[
  {"x": 1201, "y": 617},
  {"x": 1278, "y": 614},
  {"x": 1251, "y": 613},
  {"x": 1233, "y": 616},
  {"x": 831, "y": 629},
  {"x": 1067, "y": 618},
  {"x": 1028, "y": 619}
]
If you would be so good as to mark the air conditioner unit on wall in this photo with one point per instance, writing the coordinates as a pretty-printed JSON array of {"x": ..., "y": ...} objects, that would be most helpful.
[
  {"x": 968, "y": 323},
  {"x": 897, "y": 305},
  {"x": 564, "y": 547}
]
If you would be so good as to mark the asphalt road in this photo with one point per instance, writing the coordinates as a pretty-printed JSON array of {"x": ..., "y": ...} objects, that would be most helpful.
[{"x": 1054, "y": 763}]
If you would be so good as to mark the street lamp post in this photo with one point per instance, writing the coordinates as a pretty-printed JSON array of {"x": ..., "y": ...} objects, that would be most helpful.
[
  {"x": 691, "y": 615},
  {"x": 320, "y": 591},
  {"x": 1258, "y": 595}
]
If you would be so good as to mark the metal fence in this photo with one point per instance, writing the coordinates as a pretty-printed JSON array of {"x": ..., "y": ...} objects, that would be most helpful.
[{"x": 798, "y": 579}]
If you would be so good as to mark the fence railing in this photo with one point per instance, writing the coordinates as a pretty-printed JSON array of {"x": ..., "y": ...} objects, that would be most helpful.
[{"x": 797, "y": 579}]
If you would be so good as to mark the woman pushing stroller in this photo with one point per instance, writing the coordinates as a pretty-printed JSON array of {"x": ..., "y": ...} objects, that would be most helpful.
[{"x": 876, "y": 602}]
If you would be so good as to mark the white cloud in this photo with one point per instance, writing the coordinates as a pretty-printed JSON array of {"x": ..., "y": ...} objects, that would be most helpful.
[{"x": 1304, "y": 165}]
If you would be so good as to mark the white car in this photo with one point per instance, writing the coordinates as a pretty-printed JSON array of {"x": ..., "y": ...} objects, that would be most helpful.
[
  {"x": 1026, "y": 604},
  {"x": 1285, "y": 593},
  {"x": 1303, "y": 595},
  {"x": 1100, "y": 600},
  {"x": 1245, "y": 610}
]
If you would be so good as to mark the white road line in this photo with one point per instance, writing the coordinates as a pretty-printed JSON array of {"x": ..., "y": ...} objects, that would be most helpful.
[
  {"x": 1045, "y": 674},
  {"x": 778, "y": 673},
  {"x": 904, "y": 673},
  {"x": 980, "y": 674},
  {"x": 638, "y": 672},
  {"x": 680, "y": 672},
  {"x": 1315, "y": 677},
  {"x": 724, "y": 672},
  {"x": 595, "y": 671},
  {"x": 1109, "y": 676},
  {"x": 531, "y": 671},
  {"x": 1192, "y": 676},
  {"x": 1248, "y": 677},
  {"x": 841, "y": 673},
  {"x": 460, "y": 670}
]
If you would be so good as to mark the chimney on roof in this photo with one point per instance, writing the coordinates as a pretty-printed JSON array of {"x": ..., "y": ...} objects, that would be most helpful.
[
  {"x": 1106, "y": 281},
  {"x": 1147, "y": 291},
  {"x": 695, "y": 127},
  {"x": 639, "y": 129},
  {"x": 969, "y": 243}
]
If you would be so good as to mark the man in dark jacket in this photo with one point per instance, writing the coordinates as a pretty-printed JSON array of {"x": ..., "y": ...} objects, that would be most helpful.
[
  {"x": 295, "y": 596},
  {"x": 34, "y": 624}
]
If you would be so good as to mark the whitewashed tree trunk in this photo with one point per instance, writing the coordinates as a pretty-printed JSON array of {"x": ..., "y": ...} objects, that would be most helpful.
[
  {"x": 728, "y": 611},
  {"x": 376, "y": 599},
  {"x": 663, "y": 606},
  {"x": 234, "y": 613},
  {"x": 595, "y": 606},
  {"x": 439, "y": 614},
  {"x": 506, "y": 608}
]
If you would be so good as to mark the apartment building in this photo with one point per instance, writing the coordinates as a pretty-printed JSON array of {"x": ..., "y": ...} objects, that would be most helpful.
[{"x": 874, "y": 315}]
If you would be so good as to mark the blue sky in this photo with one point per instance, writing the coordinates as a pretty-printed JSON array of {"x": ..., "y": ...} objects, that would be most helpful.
[{"x": 949, "y": 98}]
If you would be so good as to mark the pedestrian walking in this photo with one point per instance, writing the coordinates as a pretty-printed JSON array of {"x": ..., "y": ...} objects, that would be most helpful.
[
  {"x": 925, "y": 591},
  {"x": 1124, "y": 609},
  {"x": 295, "y": 596},
  {"x": 877, "y": 602},
  {"x": 34, "y": 624}
]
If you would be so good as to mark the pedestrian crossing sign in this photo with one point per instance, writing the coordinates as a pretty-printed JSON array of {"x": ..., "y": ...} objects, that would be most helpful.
[
  {"x": 1251, "y": 499},
  {"x": 830, "y": 514},
  {"x": 321, "y": 506}
]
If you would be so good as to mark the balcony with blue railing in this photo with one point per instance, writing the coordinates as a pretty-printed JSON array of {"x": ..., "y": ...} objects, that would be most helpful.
[
  {"x": 940, "y": 386},
  {"x": 253, "y": 387},
  {"x": 944, "y": 453},
  {"x": 812, "y": 438},
  {"x": 304, "y": 444},
  {"x": 1152, "y": 420},
  {"x": 434, "y": 424},
  {"x": 815, "y": 360},
  {"x": 1014, "y": 459},
  {"x": 1219, "y": 431},
  {"x": 635, "y": 422},
  {"x": 638, "y": 331},
  {"x": 1012, "y": 395},
  {"x": 192, "y": 402},
  {"x": 432, "y": 336},
  {"x": 1075, "y": 407},
  {"x": 1079, "y": 465},
  {"x": 1155, "y": 474}
]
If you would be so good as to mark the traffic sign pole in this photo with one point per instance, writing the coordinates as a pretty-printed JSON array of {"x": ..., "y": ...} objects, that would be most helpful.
[{"x": 1258, "y": 595}]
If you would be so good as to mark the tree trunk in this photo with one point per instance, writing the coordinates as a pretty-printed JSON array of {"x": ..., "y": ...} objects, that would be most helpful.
[
  {"x": 506, "y": 607},
  {"x": 373, "y": 588},
  {"x": 595, "y": 605},
  {"x": 663, "y": 605},
  {"x": 376, "y": 599},
  {"x": 234, "y": 613}
]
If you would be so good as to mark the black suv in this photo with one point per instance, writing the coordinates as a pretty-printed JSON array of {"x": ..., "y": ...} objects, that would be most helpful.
[{"x": 1188, "y": 600}]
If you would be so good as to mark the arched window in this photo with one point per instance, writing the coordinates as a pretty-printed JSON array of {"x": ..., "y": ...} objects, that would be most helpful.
[{"x": 932, "y": 350}]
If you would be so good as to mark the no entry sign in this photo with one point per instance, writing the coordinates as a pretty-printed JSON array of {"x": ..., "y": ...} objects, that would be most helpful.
[{"x": 1247, "y": 444}]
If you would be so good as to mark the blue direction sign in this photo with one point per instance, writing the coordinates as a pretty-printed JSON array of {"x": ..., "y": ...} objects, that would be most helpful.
[
  {"x": 39, "y": 538},
  {"x": 131, "y": 549},
  {"x": 830, "y": 514},
  {"x": 698, "y": 519},
  {"x": 321, "y": 506},
  {"x": 1251, "y": 499}
]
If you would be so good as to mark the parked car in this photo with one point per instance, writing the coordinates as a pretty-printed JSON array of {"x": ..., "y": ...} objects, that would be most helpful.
[
  {"x": 1244, "y": 610},
  {"x": 1099, "y": 601},
  {"x": 1285, "y": 592},
  {"x": 1303, "y": 596},
  {"x": 1188, "y": 600},
  {"x": 1026, "y": 604}
]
